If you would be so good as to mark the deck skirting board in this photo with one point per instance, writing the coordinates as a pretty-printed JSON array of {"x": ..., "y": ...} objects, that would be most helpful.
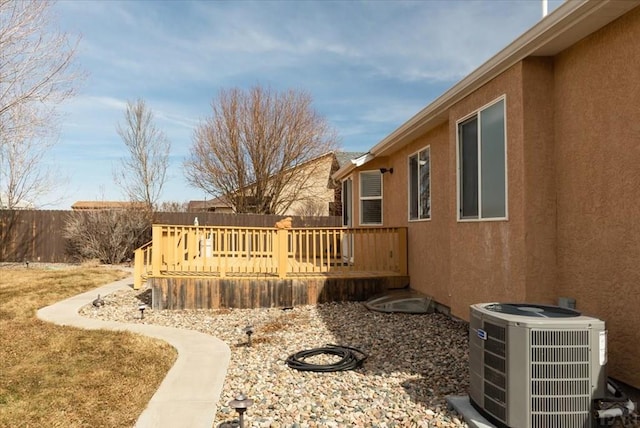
[{"x": 213, "y": 293}]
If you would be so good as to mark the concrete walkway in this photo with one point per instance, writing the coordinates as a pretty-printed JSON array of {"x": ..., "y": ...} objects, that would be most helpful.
[{"x": 188, "y": 395}]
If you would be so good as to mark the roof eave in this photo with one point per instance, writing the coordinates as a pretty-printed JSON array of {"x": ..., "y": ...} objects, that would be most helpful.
[{"x": 570, "y": 22}]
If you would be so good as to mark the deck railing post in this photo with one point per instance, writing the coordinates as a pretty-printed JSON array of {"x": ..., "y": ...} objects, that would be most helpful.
[
  {"x": 138, "y": 266},
  {"x": 282, "y": 252},
  {"x": 156, "y": 256}
]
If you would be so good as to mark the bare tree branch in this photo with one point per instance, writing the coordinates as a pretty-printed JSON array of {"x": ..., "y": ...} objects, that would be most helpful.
[
  {"x": 23, "y": 174},
  {"x": 142, "y": 174},
  {"x": 248, "y": 152},
  {"x": 36, "y": 74}
]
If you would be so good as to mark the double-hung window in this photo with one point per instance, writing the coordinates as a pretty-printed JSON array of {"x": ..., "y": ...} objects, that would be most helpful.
[
  {"x": 482, "y": 170},
  {"x": 371, "y": 197},
  {"x": 420, "y": 185}
]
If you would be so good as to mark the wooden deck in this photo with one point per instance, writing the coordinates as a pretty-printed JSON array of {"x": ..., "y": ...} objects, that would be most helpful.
[{"x": 210, "y": 267}]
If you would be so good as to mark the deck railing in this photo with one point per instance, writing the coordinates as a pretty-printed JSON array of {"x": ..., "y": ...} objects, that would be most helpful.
[
  {"x": 270, "y": 252},
  {"x": 142, "y": 264}
]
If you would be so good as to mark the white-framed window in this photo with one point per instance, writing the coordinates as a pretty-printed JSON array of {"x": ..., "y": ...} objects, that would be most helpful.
[
  {"x": 371, "y": 197},
  {"x": 420, "y": 185},
  {"x": 482, "y": 166}
]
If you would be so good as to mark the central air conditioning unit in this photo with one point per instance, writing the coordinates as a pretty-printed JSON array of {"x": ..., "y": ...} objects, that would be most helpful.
[{"x": 535, "y": 366}]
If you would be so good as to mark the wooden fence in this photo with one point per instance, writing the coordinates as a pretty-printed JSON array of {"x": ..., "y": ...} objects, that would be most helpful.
[
  {"x": 38, "y": 235},
  {"x": 33, "y": 236}
]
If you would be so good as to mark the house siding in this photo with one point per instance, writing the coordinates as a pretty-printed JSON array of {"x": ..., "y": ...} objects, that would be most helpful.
[
  {"x": 539, "y": 192},
  {"x": 487, "y": 258},
  {"x": 316, "y": 193},
  {"x": 428, "y": 241},
  {"x": 597, "y": 94},
  {"x": 573, "y": 174}
]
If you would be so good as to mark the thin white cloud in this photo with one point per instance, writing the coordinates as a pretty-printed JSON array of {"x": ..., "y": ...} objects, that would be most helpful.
[
  {"x": 108, "y": 102},
  {"x": 369, "y": 65}
]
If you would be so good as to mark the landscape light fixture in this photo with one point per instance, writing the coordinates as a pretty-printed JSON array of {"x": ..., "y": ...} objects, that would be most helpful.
[
  {"x": 141, "y": 308},
  {"x": 248, "y": 331},
  {"x": 385, "y": 170},
  {"x": 241, "y": 403}
]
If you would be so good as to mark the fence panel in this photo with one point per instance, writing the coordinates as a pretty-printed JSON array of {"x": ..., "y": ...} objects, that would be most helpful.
[
  {"x": 37, "y": 235},
  {"x": 32, "y": 235}
]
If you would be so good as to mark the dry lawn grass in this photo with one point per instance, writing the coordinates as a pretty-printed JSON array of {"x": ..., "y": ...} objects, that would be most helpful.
[{"x": 66, "y": 377}]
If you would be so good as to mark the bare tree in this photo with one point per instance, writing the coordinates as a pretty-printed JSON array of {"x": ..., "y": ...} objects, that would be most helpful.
[
  {"x": 24, "y": 177},
  {"x": 173, "y": 207},
  {"x": 36, "y": 74},
  {"x": 249, "y": 152},
  {"x": 142, "y": 174},
  {"x": 311, "y": 208}
]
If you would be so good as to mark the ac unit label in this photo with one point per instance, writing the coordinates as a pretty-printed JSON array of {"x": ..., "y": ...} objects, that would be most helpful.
[{"x": 482, "y": 334}]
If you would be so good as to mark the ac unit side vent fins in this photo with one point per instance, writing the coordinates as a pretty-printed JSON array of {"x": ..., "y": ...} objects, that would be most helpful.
[
  {"x": 495, "y": 347},
  {"x": 559, "y": 387},
  {"x": 559, "y": 421},
  {"x": 559, "y": 337},
  {"x": 559, "y": 354},
  {"x": 499, "y": 411},
  {"x": 497, "y": 378},
  {"x": 560, "y": 404},
  {"x": 495, "y": 362},
  {"x": 560, "y": 370},
  {"x": 495, "y": 393},
  {"x": 566, "y": 371},
  {"x": 495, "y": 331}
]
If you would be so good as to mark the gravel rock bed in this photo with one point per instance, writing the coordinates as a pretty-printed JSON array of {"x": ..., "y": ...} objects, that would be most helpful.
[{"x": 414, "y": 362}]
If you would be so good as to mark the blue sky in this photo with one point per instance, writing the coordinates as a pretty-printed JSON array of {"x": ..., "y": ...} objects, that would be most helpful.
[{"x": 369, "y": 66}]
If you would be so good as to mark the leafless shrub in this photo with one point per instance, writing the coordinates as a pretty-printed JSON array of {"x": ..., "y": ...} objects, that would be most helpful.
[{"x": 110, "y": 236}]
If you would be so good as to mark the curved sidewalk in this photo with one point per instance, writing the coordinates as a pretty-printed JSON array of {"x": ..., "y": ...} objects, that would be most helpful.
[{"x": 188, "y": 395}]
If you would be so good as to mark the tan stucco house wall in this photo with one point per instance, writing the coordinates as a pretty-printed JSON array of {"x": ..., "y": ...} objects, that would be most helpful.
[
  {"x": 597, "y": 133},
  {"x": 572, "y": 102}
]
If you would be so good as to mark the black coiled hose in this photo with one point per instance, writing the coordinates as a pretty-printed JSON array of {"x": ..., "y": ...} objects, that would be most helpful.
[{"x": 349, "y": 360}]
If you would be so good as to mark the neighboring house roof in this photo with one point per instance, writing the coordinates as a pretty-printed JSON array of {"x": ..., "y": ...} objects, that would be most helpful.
[
  {"x": 344, "y": 158},
  {"x": 107, "y": 205},
  {"x": 22, "y": 205},
  {"x": 568, "y": 24},
  {"x": 207, "y": 205}
]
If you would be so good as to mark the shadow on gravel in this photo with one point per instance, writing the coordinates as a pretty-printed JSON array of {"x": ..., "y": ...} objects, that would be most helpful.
[
  {"x": 431, "y": 348},
  {"x": 145, "y": 297}
]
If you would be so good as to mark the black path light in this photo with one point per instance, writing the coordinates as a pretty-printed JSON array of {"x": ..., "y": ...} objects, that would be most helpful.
[
  {"x": 241, "y": 403},
  {"x": 141, "y": 308},
  {"x": 248, "y": 331}
]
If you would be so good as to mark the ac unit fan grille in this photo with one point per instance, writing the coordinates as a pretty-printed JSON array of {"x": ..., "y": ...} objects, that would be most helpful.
[
  {"x": 495, "y": 366},
  {"x": 560, "y": 386}
]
